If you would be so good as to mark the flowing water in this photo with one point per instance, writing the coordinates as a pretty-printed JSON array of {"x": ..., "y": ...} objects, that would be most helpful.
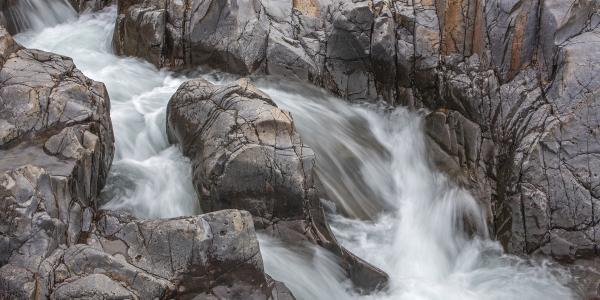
[
  {"x": 38, "y": 14},
  {"x": 398, "y": 213}
]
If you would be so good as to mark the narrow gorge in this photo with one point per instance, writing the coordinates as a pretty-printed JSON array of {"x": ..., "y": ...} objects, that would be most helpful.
[{"x": 300, "y": 149}]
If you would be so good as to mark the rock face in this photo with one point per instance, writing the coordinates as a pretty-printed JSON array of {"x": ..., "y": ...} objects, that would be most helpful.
[
  {"x": 513, "y": 86},
  {"x": 246, "y": 154},
  {"x": 347, "y": 46},
  {"x": 522, "y": 124},
  {"x": 56, "y": 147}
]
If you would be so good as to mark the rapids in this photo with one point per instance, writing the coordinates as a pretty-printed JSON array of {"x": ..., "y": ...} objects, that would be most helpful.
[{"x": 391, "y": 207}]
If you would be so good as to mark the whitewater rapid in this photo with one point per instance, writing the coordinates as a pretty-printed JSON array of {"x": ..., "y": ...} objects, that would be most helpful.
[{"x": 372, "y": 162}]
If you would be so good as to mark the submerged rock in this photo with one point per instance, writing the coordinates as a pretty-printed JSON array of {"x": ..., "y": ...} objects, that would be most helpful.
[{"x": 246, "y": 154}]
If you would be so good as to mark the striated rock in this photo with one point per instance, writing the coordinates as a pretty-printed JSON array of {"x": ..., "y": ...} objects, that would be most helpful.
[
  {"x": 246, "y": 154},
  {"x": 141, "y": 31},
  {"x": 347, "y": 46},
  {"x": 537, "y": 150},
  {"x": 209, "y": 256}
]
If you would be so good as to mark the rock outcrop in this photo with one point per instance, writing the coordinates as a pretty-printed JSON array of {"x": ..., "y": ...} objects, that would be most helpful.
[
  {"x": 337, "y": 44},
  {"x": 246, "y": 154},
  {"x": 56, "y": 148},
  {"x": 512, "y": 86}
]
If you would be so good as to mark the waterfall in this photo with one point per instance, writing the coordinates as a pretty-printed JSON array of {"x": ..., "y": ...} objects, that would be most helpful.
[
  {"x": 428, "y": 234},
  {"x": 391, "y": 207},
  {"x": 24, "y": 15}
]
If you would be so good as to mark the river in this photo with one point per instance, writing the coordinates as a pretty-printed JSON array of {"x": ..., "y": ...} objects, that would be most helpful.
[{"x": 372, "y": 161}]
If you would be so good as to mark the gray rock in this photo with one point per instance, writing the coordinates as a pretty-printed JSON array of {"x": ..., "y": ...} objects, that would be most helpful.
[
  {"x": 346, "y": 46},
  {"x": 56, "y": 147},
  {"x": 141, "y": 32},
  {"x": 246, "y": 154},
  {"x": 538, "y": 142},
  {"x": 95, "y": 286},
  {"x": 211, "y": 255}
]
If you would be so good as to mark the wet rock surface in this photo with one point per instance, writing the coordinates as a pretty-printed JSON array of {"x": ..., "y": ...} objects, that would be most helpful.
[{"x": 246, "y": 154}]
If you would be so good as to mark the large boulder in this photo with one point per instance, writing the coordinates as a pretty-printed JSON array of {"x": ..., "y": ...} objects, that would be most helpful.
[
  {"x": 210, "y": 256},
  {"x": 533, "y": 144},
  {"x": 246, "y": 154}
]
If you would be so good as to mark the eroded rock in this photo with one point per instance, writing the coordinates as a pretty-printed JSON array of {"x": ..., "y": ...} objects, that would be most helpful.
[{"x": 246, "y": 154}]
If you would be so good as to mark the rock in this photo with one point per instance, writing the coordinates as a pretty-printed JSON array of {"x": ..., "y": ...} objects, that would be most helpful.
[
  {"x": 246, "y": 154},
  {"x": 96, "y": 286},
  {"x": 141, "y": 32},
  {"x": 56, "y": 147},
  {"x": 212, "y": 254},
  {"x": 535, "y": 150}
]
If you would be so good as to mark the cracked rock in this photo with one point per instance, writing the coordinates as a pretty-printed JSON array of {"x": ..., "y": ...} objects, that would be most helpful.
[{"x": 246, "y": 154}]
